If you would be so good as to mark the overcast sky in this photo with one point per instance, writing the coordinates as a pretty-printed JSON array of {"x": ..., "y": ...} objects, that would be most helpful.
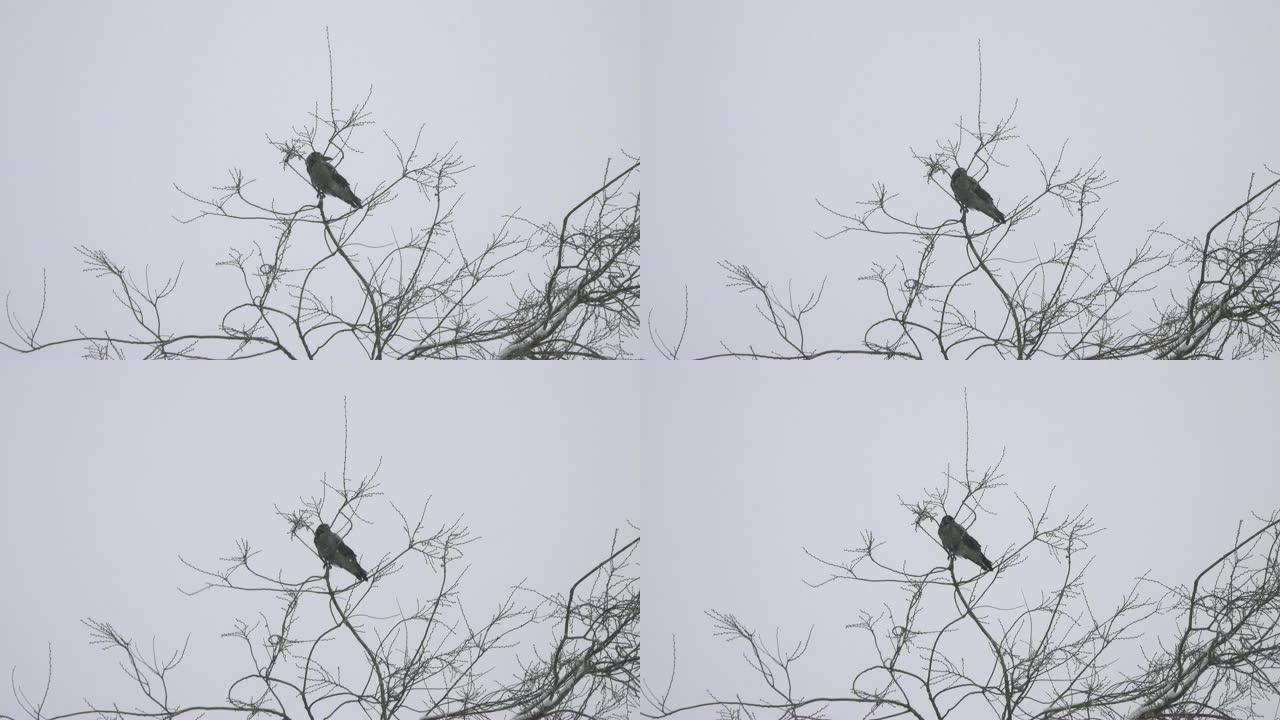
[
  {"x": 110, "y": 106},
  {"x": 751, "y": 466},
  {"x": 745, "y": 114},
  {"x": 113, "y": 472},
  {"x": 765, "y": 107}
]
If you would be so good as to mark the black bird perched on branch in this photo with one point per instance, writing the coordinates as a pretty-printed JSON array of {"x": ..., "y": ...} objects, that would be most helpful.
[
  {"x": 335, "y": 552},
  {"x": 327, "y": 181},
  {"x": 968, "y": 192},
  {"x": 956, "y": 541}
]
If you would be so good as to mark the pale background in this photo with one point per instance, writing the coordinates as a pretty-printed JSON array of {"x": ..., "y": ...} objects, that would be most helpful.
[
  {"x": 751, "y": 464},
  {"x": 764, "y": 107},
  {"x": 746, "y": 116},
  {"x": 108, "y": 106},
  {"x": 110, "y": 473}
]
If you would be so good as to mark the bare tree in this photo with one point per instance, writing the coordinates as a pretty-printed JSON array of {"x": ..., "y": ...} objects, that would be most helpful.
[
  {"x": 333, "y": 647},
  {"x": 953, "y": 642},
  {"x": 970, "y": 288},
  {"x": 568, "y": 288}
]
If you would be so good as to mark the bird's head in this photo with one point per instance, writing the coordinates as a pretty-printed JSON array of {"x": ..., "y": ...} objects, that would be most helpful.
[
  {"x": 316, "y": 157},
  {"x": 947, "y": 520},
  {"x": 959, "y": 172},
  {"x": 322, "y": 529}
]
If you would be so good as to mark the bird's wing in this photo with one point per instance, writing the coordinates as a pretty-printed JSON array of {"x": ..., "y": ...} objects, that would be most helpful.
[
  {"x": 977, "y": 190},
  {"x": 345, "y": 551},
  {"x": 340, "y": 181},
  {"x": 971, "y": 544}
]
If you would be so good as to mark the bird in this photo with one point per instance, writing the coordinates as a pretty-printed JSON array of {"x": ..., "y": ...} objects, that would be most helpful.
[
  {"x": 327, "y": 181},
  {"x": 335, "y": 552},
  {"x": 969, "y": 194},
  {"x": 956, "y": 541}
]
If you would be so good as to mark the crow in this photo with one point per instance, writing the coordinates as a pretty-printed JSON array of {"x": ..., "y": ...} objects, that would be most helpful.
[
  {"x": 968, "y": 192},
  {"x": 335, "y": 552},
  {"x": 327, "y": 181},
  {"x": 956, "y": 541}
]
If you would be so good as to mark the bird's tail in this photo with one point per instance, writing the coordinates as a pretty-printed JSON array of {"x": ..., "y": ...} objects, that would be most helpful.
[
  {"x": 992, "y": 212},
  {"x": 351, "y": 199},
  {"x": 984, "y": 563}
]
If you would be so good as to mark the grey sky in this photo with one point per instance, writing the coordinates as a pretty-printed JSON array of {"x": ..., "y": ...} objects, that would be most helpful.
[
  {"x": 747, "y": 112},
  {"x": 111, "y": 105},
  {"x": 113, "y": 472},
  {"x": 766, "y": 463},
  {"x": 766, "y": 107}
]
